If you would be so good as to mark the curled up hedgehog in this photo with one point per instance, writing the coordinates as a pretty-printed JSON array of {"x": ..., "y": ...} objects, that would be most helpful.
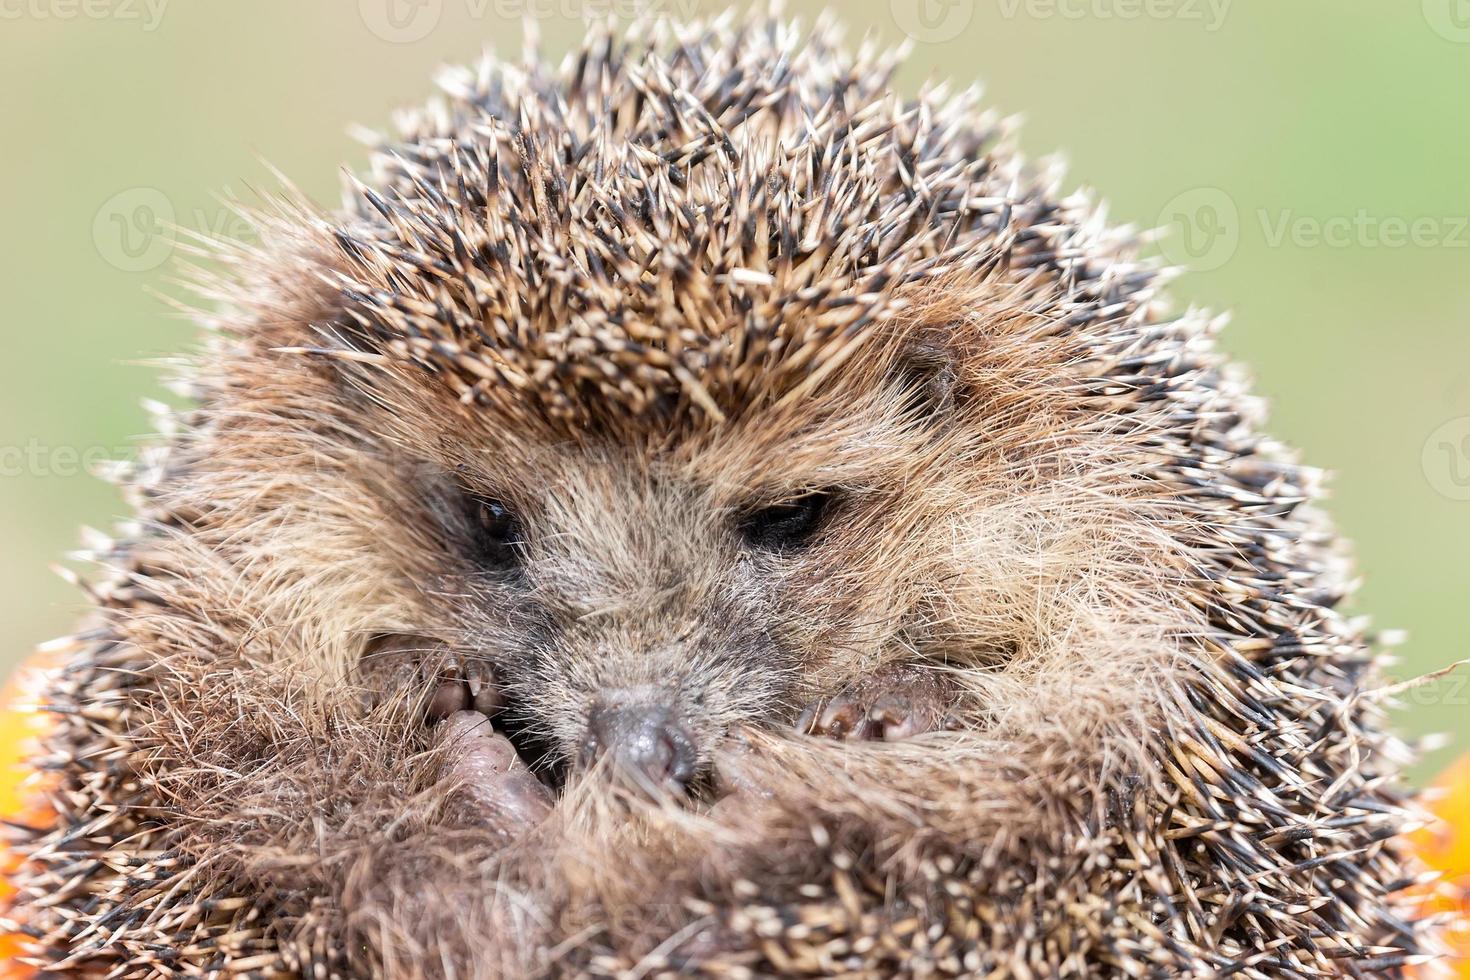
[{"x": 695, "y": 512}]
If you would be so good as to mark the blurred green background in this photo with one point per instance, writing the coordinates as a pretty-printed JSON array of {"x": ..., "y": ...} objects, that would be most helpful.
[{"x": 1313, "y": 158}]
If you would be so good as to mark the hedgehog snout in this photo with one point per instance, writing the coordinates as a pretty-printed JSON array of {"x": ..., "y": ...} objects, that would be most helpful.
[{"x": 638, "y": 733}]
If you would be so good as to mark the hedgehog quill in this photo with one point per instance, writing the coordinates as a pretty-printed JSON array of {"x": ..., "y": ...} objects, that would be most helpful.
[{"x": 696, "y": 512}]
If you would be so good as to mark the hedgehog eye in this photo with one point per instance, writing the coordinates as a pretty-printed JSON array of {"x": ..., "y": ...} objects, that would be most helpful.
[
  {"x": 499, "y": 542},
  {"x": 788, "y": 525}
]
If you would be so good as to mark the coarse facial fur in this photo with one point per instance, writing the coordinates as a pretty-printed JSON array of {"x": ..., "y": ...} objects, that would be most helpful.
[
  {"x": 635, "y": 303},
  {"x": 634, "y": 574}
]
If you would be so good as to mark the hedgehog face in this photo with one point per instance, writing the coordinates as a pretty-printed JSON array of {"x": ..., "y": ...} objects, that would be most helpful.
[{"x": 641, "y": 601}]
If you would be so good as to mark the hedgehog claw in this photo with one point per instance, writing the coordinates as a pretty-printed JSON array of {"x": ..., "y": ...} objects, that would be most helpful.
[
  {"x": 891, "y": 708},
  {"x": 845, "y": 717},
  {"x": 397, "y": 662},
  {"x": 485, "y": 694}
]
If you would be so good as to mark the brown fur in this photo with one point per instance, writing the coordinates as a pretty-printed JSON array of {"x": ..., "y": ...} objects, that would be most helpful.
[{"x": 635, "y": 299}]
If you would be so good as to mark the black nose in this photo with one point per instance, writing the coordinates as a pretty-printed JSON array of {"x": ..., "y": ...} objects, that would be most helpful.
[{"x": 644, "y": 741}]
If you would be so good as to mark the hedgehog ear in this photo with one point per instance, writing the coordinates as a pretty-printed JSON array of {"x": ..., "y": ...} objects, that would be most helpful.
[{"x": 925, "y": 373}]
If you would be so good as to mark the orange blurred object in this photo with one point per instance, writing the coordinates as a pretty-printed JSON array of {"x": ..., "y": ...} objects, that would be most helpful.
[
  {"x": 1445, "y": 847},
  {"x": 20, "y": 798}
]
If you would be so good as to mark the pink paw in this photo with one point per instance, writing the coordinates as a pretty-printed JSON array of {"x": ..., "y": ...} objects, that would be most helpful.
[{"x": 493, "y": 786}]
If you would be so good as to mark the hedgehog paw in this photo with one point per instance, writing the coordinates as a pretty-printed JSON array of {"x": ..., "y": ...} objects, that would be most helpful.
[
  {"x": 492, "y": 786},
  {"x": 890, "y": 707},
  {"x": 470, "y": 688},
  {"x": 398, "y": 662}
]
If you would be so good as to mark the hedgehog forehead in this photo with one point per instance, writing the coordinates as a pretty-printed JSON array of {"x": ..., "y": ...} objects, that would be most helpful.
[
  {"x": 688, "y": 338},
  {"x": 650, "y": 234},
  {"x": 851, "y": 430},
  {"x": 847, "y": 432}
]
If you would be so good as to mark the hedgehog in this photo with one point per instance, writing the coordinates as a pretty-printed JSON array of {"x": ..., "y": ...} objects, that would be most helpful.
[{"x": 696, "y": 511}]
